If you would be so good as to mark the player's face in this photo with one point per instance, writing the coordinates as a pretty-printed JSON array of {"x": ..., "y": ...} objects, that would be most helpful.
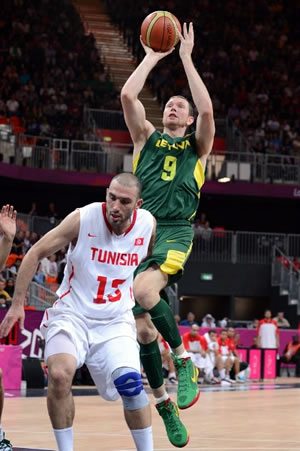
[
  {"x": 213, "y": 336},
  {"x": 223, "y": 335},
  {"x": 176, "y": 113},
  {"x": 120, "y": 202}
]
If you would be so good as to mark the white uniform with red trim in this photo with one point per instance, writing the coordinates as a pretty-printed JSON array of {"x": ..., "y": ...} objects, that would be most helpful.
[
  {"x": 268, "y": 330},
  {"x": 95, "y": 302}
]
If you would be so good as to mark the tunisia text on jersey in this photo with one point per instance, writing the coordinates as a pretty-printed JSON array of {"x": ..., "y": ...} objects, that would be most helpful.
[{"x": 99, "y": 271}]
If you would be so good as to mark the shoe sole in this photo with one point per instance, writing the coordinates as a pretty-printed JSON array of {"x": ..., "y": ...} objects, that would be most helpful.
[
  {"x": 182, "y": 446},
  {"x": 192, "y": 403}
]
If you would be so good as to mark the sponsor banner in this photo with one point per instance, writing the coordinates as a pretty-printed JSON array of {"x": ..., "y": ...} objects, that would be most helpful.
[
  {"x": 270, "y": 363},
  {"x": 28, "y": 338},
  {"x": 255, "y": 363},
  {"x": 11, "y": 365}
]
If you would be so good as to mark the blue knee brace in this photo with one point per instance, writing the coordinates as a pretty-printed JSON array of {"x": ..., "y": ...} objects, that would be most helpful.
[{"x": 129, "y": 384}]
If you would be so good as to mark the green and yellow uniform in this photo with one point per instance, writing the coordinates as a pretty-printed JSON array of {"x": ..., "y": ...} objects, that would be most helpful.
[{"x": 172, "y": 176}]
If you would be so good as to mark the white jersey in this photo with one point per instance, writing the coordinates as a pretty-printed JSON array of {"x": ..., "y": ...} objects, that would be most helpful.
[{"x": 99, "y": 271}]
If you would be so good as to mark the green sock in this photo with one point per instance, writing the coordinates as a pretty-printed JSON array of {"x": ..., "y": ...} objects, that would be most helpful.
[
  {"x": 151, "y": 360},
  {"x": 163, "y": 319}
]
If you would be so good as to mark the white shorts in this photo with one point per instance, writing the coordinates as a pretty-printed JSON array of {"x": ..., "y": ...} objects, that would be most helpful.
[
  {"x": 200, "y": 362},
  {"x": 103, "y": 345},
  {"x": 230, "y": 357}
]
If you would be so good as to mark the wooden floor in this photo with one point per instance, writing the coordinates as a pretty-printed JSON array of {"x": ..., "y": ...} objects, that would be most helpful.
[{"x": 225, "y": 420}]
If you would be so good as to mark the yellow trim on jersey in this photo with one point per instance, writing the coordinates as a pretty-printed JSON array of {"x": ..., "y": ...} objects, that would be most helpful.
[
  {"x": 194, "y": 214},
  {"x": 135, "y": 162},
  {"x": 199, "y": 174},
  {"x": 175, "y": 261}
]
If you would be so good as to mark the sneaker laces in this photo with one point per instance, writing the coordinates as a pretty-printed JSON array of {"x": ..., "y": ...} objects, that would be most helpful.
[
  {"x": 180, "y": 365},
  {"x": 167, "y": 410}
]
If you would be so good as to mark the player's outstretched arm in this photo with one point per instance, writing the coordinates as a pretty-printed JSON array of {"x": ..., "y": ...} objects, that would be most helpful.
[
  {"x": 205, "y": 126},
  {"x": 7, "y": 230},
  {"x": 52, "y": 242},
  {"x": 134, "y": 112}
]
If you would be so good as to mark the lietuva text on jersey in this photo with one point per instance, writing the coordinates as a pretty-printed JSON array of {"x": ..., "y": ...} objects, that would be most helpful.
[
  {"x": 99, "y": 272},
  {"x": 171, "y": 175}
]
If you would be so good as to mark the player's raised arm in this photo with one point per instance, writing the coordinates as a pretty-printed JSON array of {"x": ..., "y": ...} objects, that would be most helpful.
[
  {"x": 52, "y": 242},
  {"x": 7, "y": 230},
  {"x": 134, "y": 112},
  {"x": 205, "y": 126}
]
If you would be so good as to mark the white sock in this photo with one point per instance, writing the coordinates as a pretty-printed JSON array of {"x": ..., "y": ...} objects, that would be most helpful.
[
  {"x": 222, "y": 373},
  {"x": 164, "y": 397},
  {"x": 172, "y": 375},
  {"x": 184, "y": 355},
  {"x": 143, "y": 439},
  {"x": 1, "y": 433},
  {"x": 64, "y": 439}
]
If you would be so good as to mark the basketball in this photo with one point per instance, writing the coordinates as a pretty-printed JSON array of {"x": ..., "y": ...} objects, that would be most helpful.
[{"x": 160, "y": 31}]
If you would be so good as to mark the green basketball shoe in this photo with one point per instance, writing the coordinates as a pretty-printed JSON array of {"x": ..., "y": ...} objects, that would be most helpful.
[
  {"x": 176, "y": 431},
  {"x": 187, "y": 376}
]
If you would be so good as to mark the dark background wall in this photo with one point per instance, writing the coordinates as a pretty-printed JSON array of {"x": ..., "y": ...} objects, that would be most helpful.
[
  {"x": 231, "y": 212},
  {"x": 237, "y": 291}
]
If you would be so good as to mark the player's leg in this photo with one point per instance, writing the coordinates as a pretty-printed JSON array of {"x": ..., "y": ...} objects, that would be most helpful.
[
  {"x": 152, "y": 363},
  {"x": 61, "y": 360},
  {"x": 4, "y": 443},
  {"x": 114, "y": 365},
  {"x": 163, "y": 319}
]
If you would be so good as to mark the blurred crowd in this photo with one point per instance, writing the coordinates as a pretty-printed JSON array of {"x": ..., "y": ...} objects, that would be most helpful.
[
  {"x": 248, "y": 56},
  {"x": 49, "y": 69}
]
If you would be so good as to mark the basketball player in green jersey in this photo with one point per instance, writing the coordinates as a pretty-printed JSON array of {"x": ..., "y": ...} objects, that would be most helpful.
[{"x": 171, "y": 168}]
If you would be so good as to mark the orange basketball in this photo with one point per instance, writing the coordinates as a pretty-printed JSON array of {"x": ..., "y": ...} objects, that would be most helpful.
[{"x": 160, "y": 31}]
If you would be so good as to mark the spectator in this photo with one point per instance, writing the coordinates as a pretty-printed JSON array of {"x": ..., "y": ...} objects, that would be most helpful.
[
  {"x": 281, "y": 321},
  {"x": 4, "y": 296},
  {"x": 208, "y": 321},
  {"x": 189, "y": 321},
  {"x": 39, "y": 276},
  {"x": 33, "y": 209},
  {"x": 10, "y": 286},
  {"x": 242, "y": 371},
  {"x": 214, "y": 355},
  {"x": 291, "y": 355},
  {"x": 196, "y": 347},
  {"x": 51, "y": 269},
  {"x": 18, "y": 243},
  {"x": 267, "y": 332},
  {"x": 177, "y": 319},
  {"x": 254, "y": 324},
  {"x": 167, "y": 362},
  {"x": 228, "y": 357}
]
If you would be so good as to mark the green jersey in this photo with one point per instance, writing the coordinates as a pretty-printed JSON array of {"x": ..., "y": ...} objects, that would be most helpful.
[{"x": 172, "y": 176}]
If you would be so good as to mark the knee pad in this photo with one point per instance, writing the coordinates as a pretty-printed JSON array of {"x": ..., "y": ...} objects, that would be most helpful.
[{"x": 129, "y": 385}]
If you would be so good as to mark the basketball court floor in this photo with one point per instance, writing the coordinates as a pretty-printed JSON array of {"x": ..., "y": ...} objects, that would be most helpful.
[{"x": 256, "y": 416}]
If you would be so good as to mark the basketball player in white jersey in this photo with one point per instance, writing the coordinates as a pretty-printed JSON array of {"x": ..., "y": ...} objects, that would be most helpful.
[
  {"x": 7, "y": 233},
  {"x": 92, "y": 321}
]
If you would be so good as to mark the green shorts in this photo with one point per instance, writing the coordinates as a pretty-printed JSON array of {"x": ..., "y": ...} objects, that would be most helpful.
[{"x": 172, "y": 247}]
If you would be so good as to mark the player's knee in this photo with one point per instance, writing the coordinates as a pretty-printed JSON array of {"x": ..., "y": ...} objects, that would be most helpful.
[
  {"x": 60, "y": 378},
  {"x": 146, "y": 334},
  {"x": 129, "y": 385},
  {"x": 146, "y": 298}
]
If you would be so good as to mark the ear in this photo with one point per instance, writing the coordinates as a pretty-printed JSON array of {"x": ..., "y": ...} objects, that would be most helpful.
[
  {"x": 139, "y": 203},
  {"x": 190, "y": 120}
]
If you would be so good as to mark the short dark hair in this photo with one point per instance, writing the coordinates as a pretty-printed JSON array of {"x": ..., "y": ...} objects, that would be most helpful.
[
  {"x": 128, "y": 179},
  {"x": 191, "y": 109}
]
